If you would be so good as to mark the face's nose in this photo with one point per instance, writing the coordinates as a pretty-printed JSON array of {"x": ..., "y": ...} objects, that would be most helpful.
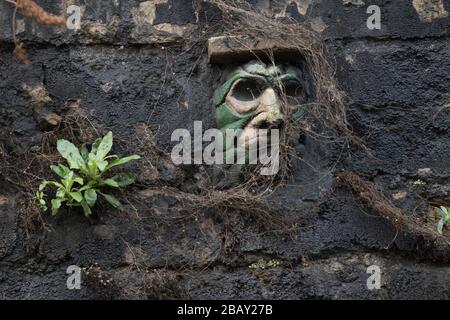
[{"x": 269, "y": 103}]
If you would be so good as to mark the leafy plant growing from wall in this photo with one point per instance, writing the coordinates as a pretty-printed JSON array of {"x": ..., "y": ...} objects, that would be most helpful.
[
  {"x": 83, "y": 179},
  {"x": 445, "y": 218}
]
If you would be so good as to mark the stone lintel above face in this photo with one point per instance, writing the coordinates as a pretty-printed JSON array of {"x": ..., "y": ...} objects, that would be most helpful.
[{"x": 227, "y": 49}]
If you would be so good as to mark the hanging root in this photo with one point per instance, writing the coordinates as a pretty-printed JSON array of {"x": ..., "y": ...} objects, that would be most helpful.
[
  {"x": 368, "y": 193},
  {"x": 20, "y": 54},
  {"x": 31, "y": 10}
]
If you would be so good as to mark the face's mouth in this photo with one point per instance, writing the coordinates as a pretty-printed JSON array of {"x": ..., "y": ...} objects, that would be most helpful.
[
  {"x": 266, "y": 120},
  {"x": 259, "y": 128}
]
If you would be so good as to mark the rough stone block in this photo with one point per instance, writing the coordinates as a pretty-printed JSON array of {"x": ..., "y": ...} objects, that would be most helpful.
[{"x": 225, "y": 49}]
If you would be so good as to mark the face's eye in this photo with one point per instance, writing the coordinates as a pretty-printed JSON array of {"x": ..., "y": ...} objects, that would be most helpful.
[
  {"x": 247, "y": 89},
  {"x": 293, "y": 90}
]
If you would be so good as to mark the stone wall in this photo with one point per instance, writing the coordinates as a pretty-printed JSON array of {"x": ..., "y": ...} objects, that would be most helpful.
[{"x": 130, "y": 64}]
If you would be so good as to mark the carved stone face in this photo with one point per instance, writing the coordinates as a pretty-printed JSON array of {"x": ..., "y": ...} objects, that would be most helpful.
[{"x": 251, "y": 98}]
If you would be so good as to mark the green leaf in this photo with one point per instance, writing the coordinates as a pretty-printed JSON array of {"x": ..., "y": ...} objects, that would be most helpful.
[
  {"x": 110, "y": 182},
  {"x": 55, "y": 184},
  {"x": 43, "y": 205},
  {"x": 123, "y": 179},
  {"x": 65, "y": 147},
  {"x": 69, "y": 152},
  {"x": 112, "y": 200},
  {"x": 104, "y": 147},
  {"x": 101, "y": 164},
  {"x": 88, "y": 186},
  {"x": 91, "y": 197},
  {"x": 56, "y": 204},
  {"x": 43, "y": 185},
  {"x": 443, "y": 211},
  {"x": 78, "y": 180},
  {"x": 50, "y": 183},
  {"x": 60, "y": 170},
  {"x": 84, "y": 153},
  {"x": 86, "y": 208},
  {"x": 95, "y": 146},
  {"x": 60, "y": 194},
  {"x": 120, "y": 161},
  {"x": 92, "y": 165},
  {"x": 38, "y": 195},
  {"x": 77, "y": 196},
  {"x": 440, "y": 226},
  {"x": 68, "y": 181},
  {"x": 39, "y": 198}
]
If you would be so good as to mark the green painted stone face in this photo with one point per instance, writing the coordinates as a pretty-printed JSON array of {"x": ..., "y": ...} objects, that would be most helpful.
[{"x": 257, "y": 96}]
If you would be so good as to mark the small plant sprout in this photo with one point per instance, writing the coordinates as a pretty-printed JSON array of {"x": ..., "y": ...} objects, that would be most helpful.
[
  {"x": 417, "y": 182},
  {"x": 83, "y": 179},
  {"x": 445, "y": 218},
  {"x": 262, "y": 264}
]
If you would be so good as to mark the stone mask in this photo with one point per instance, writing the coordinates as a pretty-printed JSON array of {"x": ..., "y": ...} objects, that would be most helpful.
[{"x": 250, "y": 98}]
